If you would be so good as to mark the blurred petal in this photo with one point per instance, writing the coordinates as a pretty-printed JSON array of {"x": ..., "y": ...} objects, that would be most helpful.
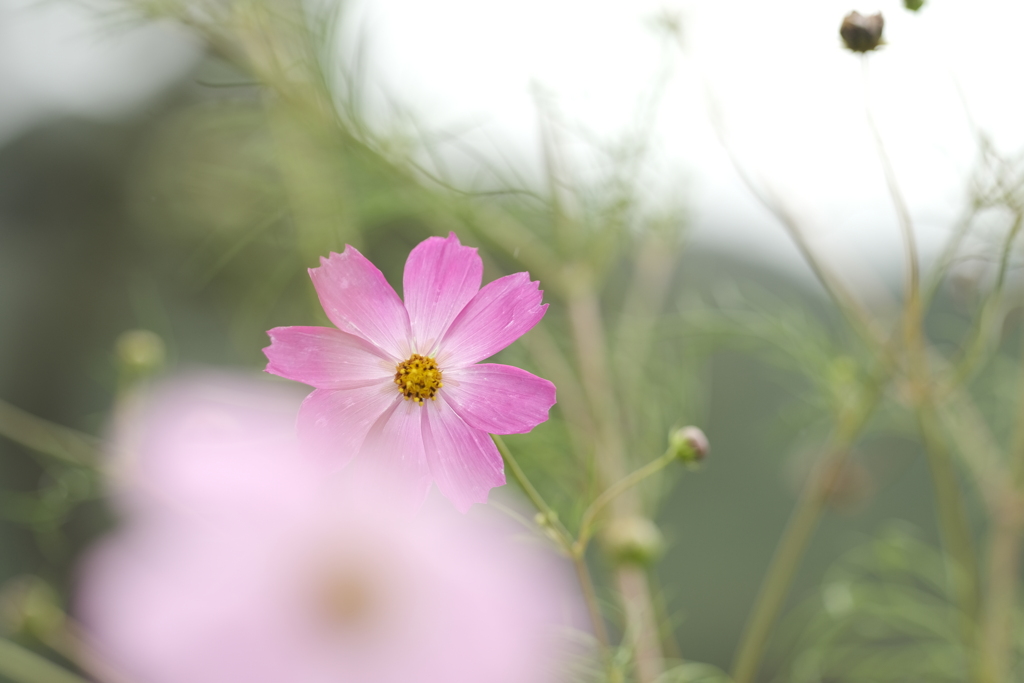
[
  {"x": 214, "y": 441},
  {"x": 499, "y": 314},
  {"x": 499, "y": 399},
  {"x": 391, "y": 463},
  {"x": 358, "y": 299},
  {"x": 333, "y": 423},
  {"x": 441, "y": 276},
  {"x": 325, "y": 358},
  {"x": 463, "y": 460}
]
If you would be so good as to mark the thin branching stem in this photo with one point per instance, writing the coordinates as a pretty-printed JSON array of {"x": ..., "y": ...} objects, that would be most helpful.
[
  {"x": 797, "y": 534},
  {"x": 985, "y": 327},
  {"x": 564, "y": 540},
  {"x": 952, "y": 514},
  {"x": 48, "y": 438},
  {"x": 24, "y": 666},
  {"x": 952, "y": 517},
  {"x": 613, "y": 491},
  {"x": 551, "y": 520},
  {"x": 998, "y": 613},
  {"x": 899, "y": 203}
]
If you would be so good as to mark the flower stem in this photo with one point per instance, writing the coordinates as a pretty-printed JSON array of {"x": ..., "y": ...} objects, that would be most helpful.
[
  {"x": 610, "y": 453},
  {"x": 775, "y": 586},
  {"x": 550, "y": 516},
  {"x": 954, "y": 527},
  {"x": 564, "y": 539},
  {"x": 998, "y": 613},
  {"x": 902, "y": 213},
  {"x": 579, "y": 563},
  {"x": 798, "y": 532},
  {"x": 24, "y": 666},
  {"x": 624, "y": 484},
  {"x": 46, "y": 437}
]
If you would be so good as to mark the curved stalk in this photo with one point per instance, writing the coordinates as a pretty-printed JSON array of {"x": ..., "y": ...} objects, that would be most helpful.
[
  {"x": 795, "y": 538},
  {"x": 48, "y": 438},
  {"x": 902, "y": 213},
  {"x": 613, "y": 491},
  {"x": 24, "y": 666},
  {"x": 564, "y": 539}
]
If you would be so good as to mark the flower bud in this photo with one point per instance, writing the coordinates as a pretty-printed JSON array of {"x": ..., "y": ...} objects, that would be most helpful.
[
  {"x": 689, "y": 444},
  {"x": 633, "y": 540},
  {"x": 140, "y": 350},
  {"x": 547, "y": 521},
  {"x": 29, "y": 605},
  {"x": 862, "y": 33},
  {"x": 913, "y": 5}
]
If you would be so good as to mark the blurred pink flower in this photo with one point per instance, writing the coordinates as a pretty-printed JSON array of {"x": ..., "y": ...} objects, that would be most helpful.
[
  {"x": 280, "y": 578},
  {"x": 205, "y": 442},
  {"x": 400, "y": 386}
]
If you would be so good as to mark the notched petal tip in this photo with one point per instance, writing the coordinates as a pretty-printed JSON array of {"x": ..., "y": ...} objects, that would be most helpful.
[
  {"x": 441, "y": 276},
  {"x": 358, "y": 299}
]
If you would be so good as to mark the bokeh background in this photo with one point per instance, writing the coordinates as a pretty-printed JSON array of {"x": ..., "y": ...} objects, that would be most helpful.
[{"x": 140, "y": 188}]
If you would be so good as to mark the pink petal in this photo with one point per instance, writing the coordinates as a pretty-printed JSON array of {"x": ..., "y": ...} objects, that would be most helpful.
[
  {"x": 391, "y": 464},
  {"x": 500, "y": 313},
  {"x": 358, "y": 299},
  {"x": 498, "y": 399},
  {"x": 325, "y": 358},
  {"x": 464, "y": 461},
  {"x": 441, "y": 276},
  {"x": 334, "y": 422}
]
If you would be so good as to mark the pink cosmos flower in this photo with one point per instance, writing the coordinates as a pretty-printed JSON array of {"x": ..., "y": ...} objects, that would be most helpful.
[
  {"x": 400, "y": 386},
  {"x": 279, "y": 578}
]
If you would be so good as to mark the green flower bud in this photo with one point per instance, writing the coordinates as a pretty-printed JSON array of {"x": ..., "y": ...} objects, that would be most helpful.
[
  {"x": 29, "y": 605},
  {"x": 861, "y": 33},
  {"x": 689, "y": 444},
  {"x": 913, "y": 5},
  {"x": 633, "y": 540},
  {"x": 140, "y": 351}
]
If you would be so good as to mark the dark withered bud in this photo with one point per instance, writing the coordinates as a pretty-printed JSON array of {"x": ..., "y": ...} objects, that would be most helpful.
[
  {"x": 913, "y": 5},
  {"x": 861, "y": 33}
]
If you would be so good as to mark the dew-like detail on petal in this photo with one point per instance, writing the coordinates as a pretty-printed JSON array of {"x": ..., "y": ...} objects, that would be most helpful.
[
  {"x": 500, "y": 313},
  {"x": 358, "y": 299},
  {"x": 464, "y": 462},
  {"x": 391, "y": 461},
  {"x": 499, "y": 399},
  {"x": 325, "y": 358},
  {"x": 333, "y": 423},
  {"x": 441, "y": 277}
]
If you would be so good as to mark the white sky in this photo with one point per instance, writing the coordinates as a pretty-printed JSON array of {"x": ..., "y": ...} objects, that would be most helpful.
[{"x": 790, "y": 96}]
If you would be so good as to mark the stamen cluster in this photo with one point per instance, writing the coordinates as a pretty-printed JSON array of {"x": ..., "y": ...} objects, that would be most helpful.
[{"x": 418, "y": 378}]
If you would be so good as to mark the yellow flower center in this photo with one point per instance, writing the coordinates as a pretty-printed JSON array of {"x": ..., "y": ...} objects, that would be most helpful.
[{"x": 418, "y": 378}]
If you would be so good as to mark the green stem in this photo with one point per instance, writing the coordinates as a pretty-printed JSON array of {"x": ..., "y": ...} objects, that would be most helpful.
[
  {"x": 902, "y": 213},
  {"x": 622, "y": 485},
  {"x": 796, "y": 536},
  {"x": 46, "y": 437},
  {"x": 998, "y": 612},
  {"x": 579, "y": 563},
  {"x": 550, "y": 516},
  {"x": 998, "y": 615},
  {"x": 953, "y": 525},
  {"x": 24, "y": 666},
  {"x": 564, "y": 539},
  {"x": 777, "y": 581},
  {"x": 986, "y": 325}
]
